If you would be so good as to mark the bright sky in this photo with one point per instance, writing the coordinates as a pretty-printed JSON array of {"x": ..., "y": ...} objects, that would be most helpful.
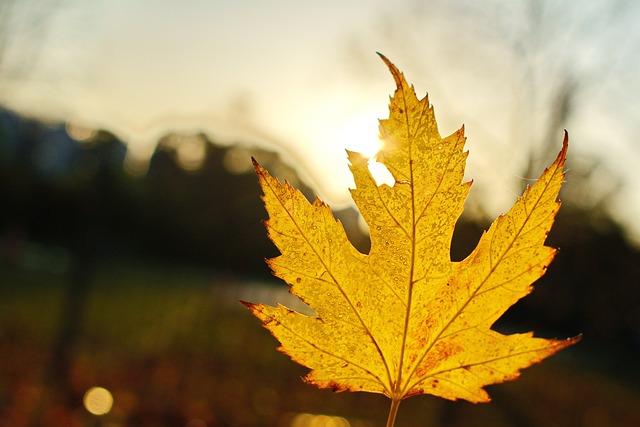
[{"x": 303, "y": 77}]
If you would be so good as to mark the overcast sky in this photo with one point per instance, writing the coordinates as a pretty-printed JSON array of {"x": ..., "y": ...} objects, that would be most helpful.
[{"x": 303, "y": 77}]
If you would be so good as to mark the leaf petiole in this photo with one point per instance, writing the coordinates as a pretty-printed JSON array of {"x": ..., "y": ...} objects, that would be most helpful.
[{"x": 393, "y": 411}]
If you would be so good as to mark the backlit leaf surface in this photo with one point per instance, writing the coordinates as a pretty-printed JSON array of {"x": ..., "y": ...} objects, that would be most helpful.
[{"x": 404, "y": 319}]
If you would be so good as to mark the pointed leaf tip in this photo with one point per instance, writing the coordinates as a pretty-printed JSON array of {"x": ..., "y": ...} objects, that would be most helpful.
[
  {"x": 256, "y": 165},
  {"x": 565, "y": 143},
  {"x": 397, "y": 74},
  {"x": 259, "y": 169},
  {"x": 562, "y": 155}
]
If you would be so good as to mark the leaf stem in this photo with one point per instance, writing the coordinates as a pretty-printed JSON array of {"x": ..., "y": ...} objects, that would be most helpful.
[{"x": 393, "y": 412}]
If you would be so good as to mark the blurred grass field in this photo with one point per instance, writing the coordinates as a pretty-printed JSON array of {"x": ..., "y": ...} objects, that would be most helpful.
[{"x": 174, "y": 347}]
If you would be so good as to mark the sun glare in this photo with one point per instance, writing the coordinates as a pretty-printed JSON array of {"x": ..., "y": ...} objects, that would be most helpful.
[{"x": 360, "y": 135}]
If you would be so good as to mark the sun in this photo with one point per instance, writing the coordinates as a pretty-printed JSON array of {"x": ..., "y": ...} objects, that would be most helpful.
[{"x": 360, "y": 135}]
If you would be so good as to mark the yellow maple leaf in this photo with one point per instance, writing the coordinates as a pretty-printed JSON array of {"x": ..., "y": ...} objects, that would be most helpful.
[{"x": 404, "y": 319}]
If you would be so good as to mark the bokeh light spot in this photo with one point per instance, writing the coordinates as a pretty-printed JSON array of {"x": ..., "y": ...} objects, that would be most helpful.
[
  {"x": 136, "y": 161},
  {"x": 237, "y": 160},
  {"x": 98, "y": 400},
  {"x": 191, "y": 154},
  {"x": 80, "y": 133},
  {"x": 314, "y": 420}
]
